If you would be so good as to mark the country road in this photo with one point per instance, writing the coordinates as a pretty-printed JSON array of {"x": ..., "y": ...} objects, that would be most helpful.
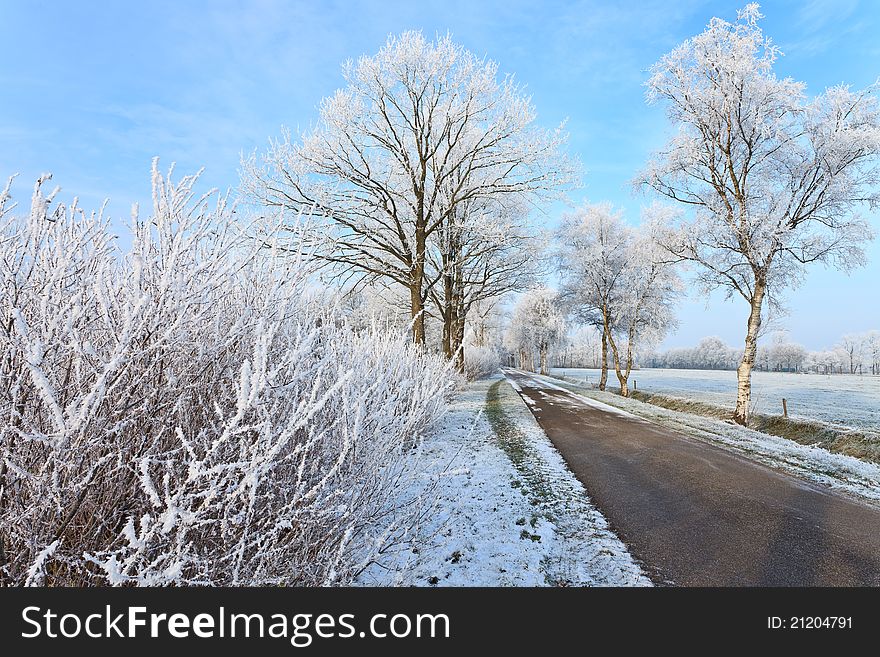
[{"x": 698, "y": 515}]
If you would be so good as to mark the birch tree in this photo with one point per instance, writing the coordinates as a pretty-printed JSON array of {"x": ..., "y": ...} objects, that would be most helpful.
[
  {"x": 620, "y": 279},
  {"x": 592, "y": 257},
  {"x": 774, "y": 179},
  {"x": 650, "y": 288},
  {"x": 421, "y": 129}
]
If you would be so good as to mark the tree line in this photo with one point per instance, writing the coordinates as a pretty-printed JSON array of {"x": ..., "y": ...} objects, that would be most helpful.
[
  {"x": 764, "y": 181},
  {"x": 422, "y": 173},
  {"x": 419, "y": 174},
  {"x": 855, "y": 353}
]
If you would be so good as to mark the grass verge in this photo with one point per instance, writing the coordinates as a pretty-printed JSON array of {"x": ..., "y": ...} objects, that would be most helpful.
[
  {"x": 840, "y": 440},
  {"x": 861, "y": 444},
  {"x": 520, "y": 452}
]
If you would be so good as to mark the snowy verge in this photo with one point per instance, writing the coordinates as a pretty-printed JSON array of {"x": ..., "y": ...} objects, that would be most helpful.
[
  {"x": 507, "y": 511},
  {"x": 847, "y": 474},
  {"x": 582, "y": 550}
]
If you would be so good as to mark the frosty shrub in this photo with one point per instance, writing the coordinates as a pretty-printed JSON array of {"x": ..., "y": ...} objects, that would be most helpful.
[
  {"x": 480, "y": 362},
  {"x": 183, "y": 413}
]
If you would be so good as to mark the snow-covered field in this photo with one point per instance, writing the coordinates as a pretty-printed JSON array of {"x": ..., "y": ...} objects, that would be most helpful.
[
  {"x": 499, "y": 524},
  {"x": 843, "y": 399},
  {"x": 838, "y": 471}
]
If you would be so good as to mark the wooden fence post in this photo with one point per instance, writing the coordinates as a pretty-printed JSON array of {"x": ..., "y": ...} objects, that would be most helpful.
[{"x": 784, "y": 408}]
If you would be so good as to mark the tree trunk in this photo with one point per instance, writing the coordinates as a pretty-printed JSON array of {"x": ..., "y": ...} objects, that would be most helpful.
[
  {"x": 448, "y": 313},
  {"x": 453, "y": 306},
  {"x": 459, "y": 315},
  {"x": 744, "y": 371},
  {"x": 417, "y": 312},
  {"x": 417, "y": 273},
  {"x": 624, "y": 390},
  {"x": 603, "y": 378},
  {"x": 623, "y": 376},
  {"x": 544, "y": 362},
  {"x": 457, "y": 339}
]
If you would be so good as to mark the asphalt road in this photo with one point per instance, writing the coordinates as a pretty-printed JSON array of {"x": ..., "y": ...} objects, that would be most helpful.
[{"x": 698, "y": 515}]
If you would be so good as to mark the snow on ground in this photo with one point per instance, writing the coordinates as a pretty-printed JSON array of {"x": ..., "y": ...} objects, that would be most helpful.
[
  {"x": 844, "y": 473},
  {"x": 508, "y": 511},
  {"x": 543, "y": 382},
  {"x": 848, "y": 400}
]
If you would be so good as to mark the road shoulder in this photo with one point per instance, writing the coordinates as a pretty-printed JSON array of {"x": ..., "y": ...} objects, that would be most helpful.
[
  {"x": 851, "y": 476},
  {"x": 505, "y": 509}
]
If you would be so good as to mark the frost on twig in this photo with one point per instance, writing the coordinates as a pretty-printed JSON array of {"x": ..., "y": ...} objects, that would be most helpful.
[{"x": 185, "y": 412}]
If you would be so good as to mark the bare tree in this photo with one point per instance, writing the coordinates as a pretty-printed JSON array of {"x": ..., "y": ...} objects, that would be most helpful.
[
  {"x": 537, "y": 327},
  {"x": 620, "y": 278},
  {"x": 851, "y": 344},
  {"x": 592, "y": 257},
  {"x": 422, "y": 129},
  {"x": 872, "y": 346},
  {"x": 486, "y": 251},
  {"x": 773, "y": 179}
]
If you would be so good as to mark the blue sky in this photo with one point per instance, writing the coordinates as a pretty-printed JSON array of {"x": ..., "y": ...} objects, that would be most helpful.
[{"x": 91, "y": 91}]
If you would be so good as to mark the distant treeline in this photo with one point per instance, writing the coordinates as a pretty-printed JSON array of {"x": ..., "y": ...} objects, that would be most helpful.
[
  {"x": 853, "y": 354},
  {"x": 857, "y": 353}
]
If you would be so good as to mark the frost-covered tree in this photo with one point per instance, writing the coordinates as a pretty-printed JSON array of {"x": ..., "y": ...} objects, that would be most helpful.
[
  {"x": 592, "y": 255},
  {"x": 375, "y": 307},
  {"x": 829, "y": 361},
  {"x": 620, "y": 279},
  {"x": 536, "y": 328},
  {"x": 872, "y": 349},
  {"x": 486, "y": 324},
  {"x": 783, "y": 355},
  {"x": 422, "y": 129},
  {"x": 483, "y": 346},
  {"x": 773, "y": 178},
  {"x": 851, "y": 344},
  {"x": 583, "y": 347},
  {"x": 711, "y": 353},
  {"x": 650, "y": 289},
  {"x": 487, "y": 252},
  {"x": 854, "y": 353}
]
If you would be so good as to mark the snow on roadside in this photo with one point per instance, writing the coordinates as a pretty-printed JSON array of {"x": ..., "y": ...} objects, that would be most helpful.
[
  {"x": 582, "y": 550},
  {"x": 489, "y": 525},
  {"x": 837, "y": 471}
]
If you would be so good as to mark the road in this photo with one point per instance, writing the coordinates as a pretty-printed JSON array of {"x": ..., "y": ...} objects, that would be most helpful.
[{"x": 698, "y": 515}]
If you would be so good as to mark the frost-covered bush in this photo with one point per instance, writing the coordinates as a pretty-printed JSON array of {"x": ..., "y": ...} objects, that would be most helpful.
[
  {"x": 480, "y": 361},
  {"x": 183, "y": 414}
]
